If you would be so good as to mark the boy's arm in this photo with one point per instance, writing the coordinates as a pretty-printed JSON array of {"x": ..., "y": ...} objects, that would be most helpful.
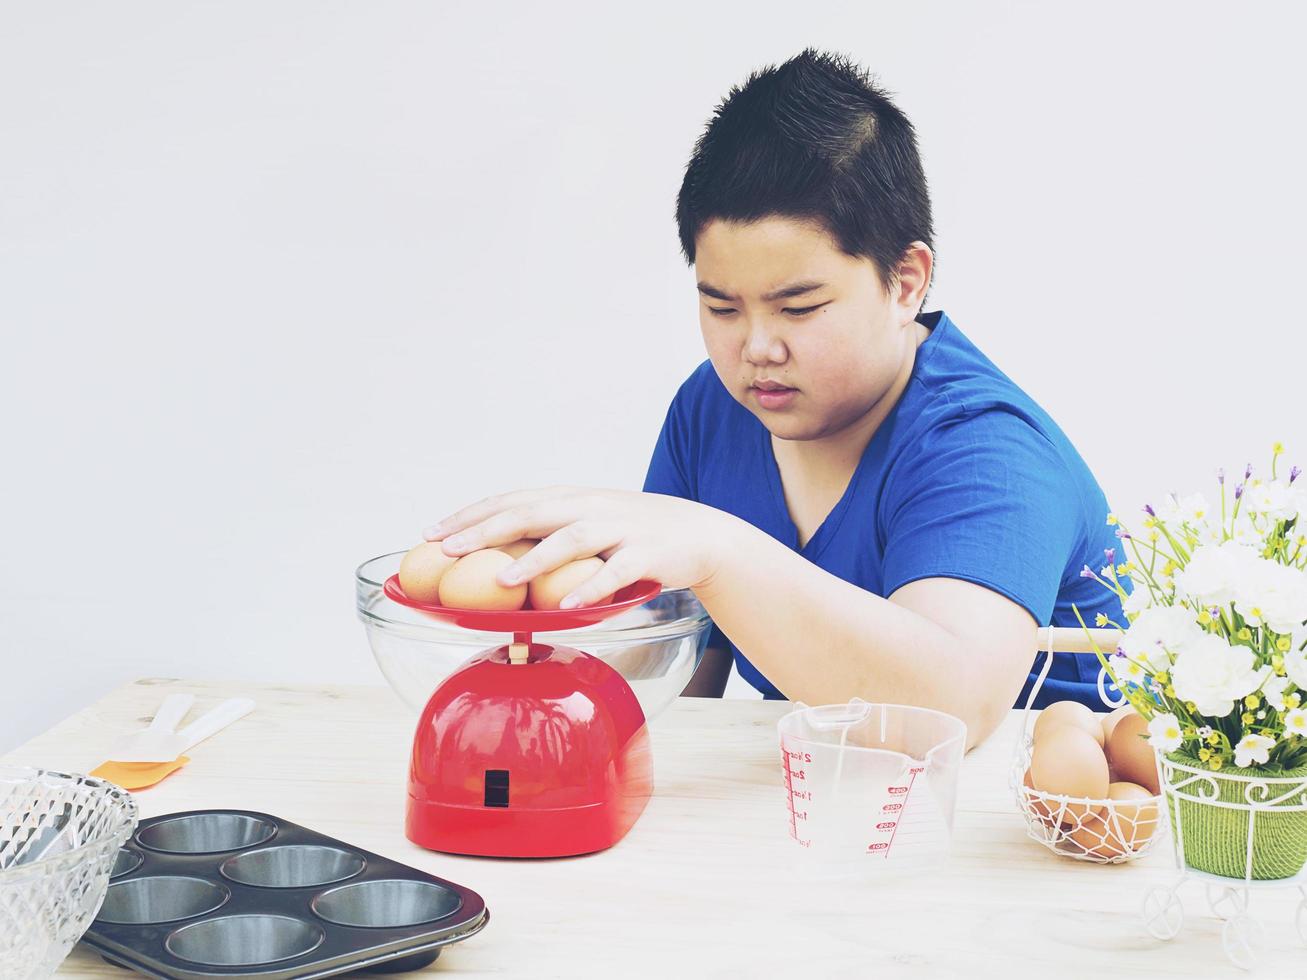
[
  {"x": 709, "y": 680},
  {"x": 938, "y": 642}
]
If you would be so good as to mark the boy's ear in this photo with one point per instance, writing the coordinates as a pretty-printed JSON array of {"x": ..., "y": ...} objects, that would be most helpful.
[{"x": 913, "y": 279}]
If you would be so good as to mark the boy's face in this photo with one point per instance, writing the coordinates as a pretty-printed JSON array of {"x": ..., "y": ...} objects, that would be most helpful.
[{"x": 831, "y": 353}]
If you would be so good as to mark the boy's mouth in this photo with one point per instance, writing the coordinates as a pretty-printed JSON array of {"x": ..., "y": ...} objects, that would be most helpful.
[{"x": 772, "y": 394}]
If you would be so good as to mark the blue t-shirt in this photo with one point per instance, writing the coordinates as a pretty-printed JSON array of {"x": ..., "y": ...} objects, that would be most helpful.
[{"x": 966, "y": 478}]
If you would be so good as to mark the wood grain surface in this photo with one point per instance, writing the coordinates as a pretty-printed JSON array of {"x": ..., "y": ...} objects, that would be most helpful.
[{"x": 701, "y": 886}]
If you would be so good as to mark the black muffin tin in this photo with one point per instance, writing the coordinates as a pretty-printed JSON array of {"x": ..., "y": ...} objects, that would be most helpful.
[{"x": 236, "y": 893}]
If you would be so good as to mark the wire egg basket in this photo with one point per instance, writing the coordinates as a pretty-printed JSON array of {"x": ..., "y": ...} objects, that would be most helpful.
[{"x": 1101, "y": 831}]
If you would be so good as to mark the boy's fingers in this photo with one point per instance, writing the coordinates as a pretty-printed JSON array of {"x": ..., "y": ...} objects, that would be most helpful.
[
  {"x": 582, "y": 539},
  {"x": 480, "y": 511},
  {"x": 537, "y": 519},
  {"x": 618, "y": 572},
  {"x": 459, "y": 520}
]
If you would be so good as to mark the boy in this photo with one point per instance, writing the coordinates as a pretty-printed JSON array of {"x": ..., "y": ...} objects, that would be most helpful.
[{"x": 864, "y": 503}]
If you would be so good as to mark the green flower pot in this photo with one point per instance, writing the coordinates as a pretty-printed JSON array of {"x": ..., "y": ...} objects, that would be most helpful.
[{"x": 1216, "y": 838}]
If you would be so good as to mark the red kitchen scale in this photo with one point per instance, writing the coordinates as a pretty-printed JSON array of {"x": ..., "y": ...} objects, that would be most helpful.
[{"x": 528, "y": 749}]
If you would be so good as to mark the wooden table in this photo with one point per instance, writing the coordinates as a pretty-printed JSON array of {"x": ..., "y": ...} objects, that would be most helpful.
[{"x": 698, "y": 888}]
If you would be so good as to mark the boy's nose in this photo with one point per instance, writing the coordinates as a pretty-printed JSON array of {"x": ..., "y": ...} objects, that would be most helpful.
[{"x": 763, "y": 346}]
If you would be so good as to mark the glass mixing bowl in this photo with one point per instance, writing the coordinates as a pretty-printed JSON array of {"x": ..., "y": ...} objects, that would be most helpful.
[{"x": 656, "y": 646}]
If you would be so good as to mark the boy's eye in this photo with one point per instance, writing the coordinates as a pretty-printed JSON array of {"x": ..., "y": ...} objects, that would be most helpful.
[{"x": 794, "y": 312}]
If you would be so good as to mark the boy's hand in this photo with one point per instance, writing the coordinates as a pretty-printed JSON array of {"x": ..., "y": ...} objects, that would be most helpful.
[{"x": 639, "y": 535}]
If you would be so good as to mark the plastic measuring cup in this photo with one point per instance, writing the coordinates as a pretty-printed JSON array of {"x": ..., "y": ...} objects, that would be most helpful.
[{"x": 870, "y": 785}]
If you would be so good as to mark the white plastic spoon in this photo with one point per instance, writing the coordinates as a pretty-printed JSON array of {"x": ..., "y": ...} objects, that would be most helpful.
[
  {"x": 151, "y": 743},
  {"x": 169, "y": 747}
]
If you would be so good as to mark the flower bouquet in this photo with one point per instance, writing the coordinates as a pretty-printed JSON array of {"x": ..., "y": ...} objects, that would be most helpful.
[{"x": 1213, "y": 657}]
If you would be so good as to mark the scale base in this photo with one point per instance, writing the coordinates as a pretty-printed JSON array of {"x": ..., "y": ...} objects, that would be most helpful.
[
  {"x": 486, "y": 832},
  {"x": 529, "y": 750}
]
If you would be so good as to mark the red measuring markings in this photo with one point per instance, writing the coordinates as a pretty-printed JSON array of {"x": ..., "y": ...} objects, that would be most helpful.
[
  {"x": 892, "y": 813},
  {"x": 802, "y": 794}
]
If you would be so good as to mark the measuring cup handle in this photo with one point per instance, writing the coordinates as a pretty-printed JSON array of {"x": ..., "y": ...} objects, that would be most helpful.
[{"x": 855, "y": 711}]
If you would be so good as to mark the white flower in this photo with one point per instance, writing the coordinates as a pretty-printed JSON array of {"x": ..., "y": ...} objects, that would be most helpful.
[
  {"x": 1137, "y": 601},
  {"x": 1299, "y": 637},
  {"x": 1215, "y": 572},
  {"x": 1204, "y": 731},
  {"x": 1295, "y": 665},
  {"x": 1295, "y": 722},
  {"x": 1297, "y": 538},
  {"x": 1213, "y": 675},
  {"x": 1159, "y": 634},
  {"x": 1193, "y": 513},
  {"x": 1273, "y": 691},
  {"x": 1164, "y": 733},
  {"x": 1192, "y": 509},
  {"x": 1299, "y": 495},
  {"x": 1253, "y": 750},
  {"x": 1127, "y": 670},
  {"x": 1247, "y": 535},
  {"x": 1276, "y": 500},
  {"x": 1168, "y": 511},
  {"x": 1271, "y": 594}
]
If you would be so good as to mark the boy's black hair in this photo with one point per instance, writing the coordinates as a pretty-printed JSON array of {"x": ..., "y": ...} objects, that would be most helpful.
[{"x": 813, "y": 139}]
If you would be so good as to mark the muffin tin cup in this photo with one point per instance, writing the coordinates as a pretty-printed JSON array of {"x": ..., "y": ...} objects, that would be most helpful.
[
  {"x": 293, "y": 866},
  {"x": 206, "y": 833},
  {"x": 160, "y": 898},
  {"x": 245, "y": 940},
  {"x": 387, "y": 904},
  {"x": 230, "y": 893},
  {"x": 126, "y": 861}
]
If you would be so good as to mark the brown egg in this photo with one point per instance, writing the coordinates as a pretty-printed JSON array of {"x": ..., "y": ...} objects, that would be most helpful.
[
  {"x": 1110, "y": 720},
  {"x": 421, "y": 570},
  {"x": 1131, "y": 755},
  {"x": 1069, "y": 762},
  {"x": 1068, "y": 713},
  {"x": 471, "y": 583},
  {"x": 518, "y": 548},
  {"x": 1041, "y": 811},
  {"x": 551, "y": 588},
  {"x": 1103, "y": 835}
]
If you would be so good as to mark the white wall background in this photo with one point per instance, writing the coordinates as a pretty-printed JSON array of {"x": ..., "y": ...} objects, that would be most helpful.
[{"x": 280, "y": 283}]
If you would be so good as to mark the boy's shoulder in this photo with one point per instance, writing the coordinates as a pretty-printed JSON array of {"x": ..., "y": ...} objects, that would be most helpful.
[
  {"x": 956, "y": 382},
  {"x": 951, "y": 365},
  {"x": 963, "y": 403}
]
